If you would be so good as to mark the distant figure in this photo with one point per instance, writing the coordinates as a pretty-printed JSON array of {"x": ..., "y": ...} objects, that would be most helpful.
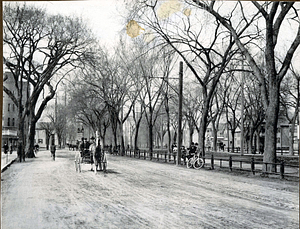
[
  {"x": 81, "y": 147},
  {"x": 5, "y": 148},
  {"x": 92, "y": 149},
  {"x": 36, "y": 149},
  {"x": 52, "y": 150},
  {"x": 11, "y": 148},
  {"x": 222, "y": 146}
]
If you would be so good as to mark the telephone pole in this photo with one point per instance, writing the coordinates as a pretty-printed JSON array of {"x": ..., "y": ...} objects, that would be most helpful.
[{"x": 179, "y": 135}]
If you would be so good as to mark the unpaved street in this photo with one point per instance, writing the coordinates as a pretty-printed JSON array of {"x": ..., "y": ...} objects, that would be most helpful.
[{"x": 135, "y": 193}]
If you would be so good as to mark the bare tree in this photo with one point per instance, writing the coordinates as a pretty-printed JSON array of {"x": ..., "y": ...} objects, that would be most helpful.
[
  {"x": 37, "y": 47},
  {"x": 205, "y": 56},
  {"x": 48, "y": 128},
  {"x": 58, "y": 121},
  {"x": 273, "y": 15}
]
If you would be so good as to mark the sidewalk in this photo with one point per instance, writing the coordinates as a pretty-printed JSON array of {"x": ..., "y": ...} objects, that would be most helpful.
[{"x": 7, "y": 159}]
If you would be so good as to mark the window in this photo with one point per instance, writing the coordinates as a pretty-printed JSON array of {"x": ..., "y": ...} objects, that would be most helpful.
[
  {"x": 8, "y": 107},
  {"x": 8, "y": 122},
  {"x": 13, "y": 107},
  {"x": 13, "y": 122}
]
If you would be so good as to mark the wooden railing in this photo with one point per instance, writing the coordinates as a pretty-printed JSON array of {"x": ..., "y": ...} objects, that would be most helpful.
[{"x": 232, "y": 162}]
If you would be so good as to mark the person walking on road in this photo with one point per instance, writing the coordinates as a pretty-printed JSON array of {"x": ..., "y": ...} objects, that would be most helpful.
[
  {"x": 52, "y": 150},
  {"x": 11, "y": 148},
  {"x": 5, "y": 148}
]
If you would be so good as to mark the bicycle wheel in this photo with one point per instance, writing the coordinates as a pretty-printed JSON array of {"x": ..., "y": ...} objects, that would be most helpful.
[
  {"x": 189, "y": 164},
  {"x": 198, "y": 163}
]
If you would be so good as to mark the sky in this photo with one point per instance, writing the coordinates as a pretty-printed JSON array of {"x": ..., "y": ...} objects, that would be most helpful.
[{"x": 103, "y": 16}]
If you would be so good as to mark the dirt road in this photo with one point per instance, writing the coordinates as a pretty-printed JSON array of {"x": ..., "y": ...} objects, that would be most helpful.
[{"x": 135, "y": 193}]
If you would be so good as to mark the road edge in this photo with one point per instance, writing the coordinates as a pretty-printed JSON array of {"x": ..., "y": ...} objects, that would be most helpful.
[{"x": 8, "y": 164}]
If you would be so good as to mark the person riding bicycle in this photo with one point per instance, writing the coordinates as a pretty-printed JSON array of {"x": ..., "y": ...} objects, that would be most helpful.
[{"x": 192, "y": 150}]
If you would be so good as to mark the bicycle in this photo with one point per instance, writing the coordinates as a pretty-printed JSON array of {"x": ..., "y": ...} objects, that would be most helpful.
[{"x": 196, "y": 162}]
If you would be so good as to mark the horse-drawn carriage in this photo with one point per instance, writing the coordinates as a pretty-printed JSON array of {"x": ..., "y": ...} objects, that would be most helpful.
[{"x": 86, "y": 157}]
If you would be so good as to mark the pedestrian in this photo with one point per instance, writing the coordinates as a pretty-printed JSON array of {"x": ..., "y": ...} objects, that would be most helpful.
[
  {"x": 52, "y": 150},
  {"x": 81, "y": 147},
  {"x": 5, "y": 148},
  {"x": 92, "y": 149},
  {"x": 11, "y": 148}
]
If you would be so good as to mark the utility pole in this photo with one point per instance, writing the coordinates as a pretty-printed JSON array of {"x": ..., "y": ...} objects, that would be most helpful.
[
  {"x": 179, "y": 135},
  {"x": 242, "y": 109}
]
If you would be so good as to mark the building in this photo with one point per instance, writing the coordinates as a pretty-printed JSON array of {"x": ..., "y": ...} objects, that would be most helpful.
[{"x": 10, "y": 120}]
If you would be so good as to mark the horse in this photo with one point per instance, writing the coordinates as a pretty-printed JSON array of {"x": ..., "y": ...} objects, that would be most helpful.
[{"x": 100, "y": 159}]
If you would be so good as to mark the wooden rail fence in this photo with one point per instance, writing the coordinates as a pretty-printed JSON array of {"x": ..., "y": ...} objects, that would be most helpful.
[{"x": 250, "y": 164}]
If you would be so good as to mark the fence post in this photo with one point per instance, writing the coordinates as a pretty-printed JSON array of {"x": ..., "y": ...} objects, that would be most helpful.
[
  {"x": 174, "y": 158},
  {"x": 144, "y": 154},
  {"x": 212, "y": 162},
  {"x": 252, "y": 166},
  {"x": 165, "y": 157},
  {"x": 230, "y": 163},
  {"x": 281, "y": 169}
]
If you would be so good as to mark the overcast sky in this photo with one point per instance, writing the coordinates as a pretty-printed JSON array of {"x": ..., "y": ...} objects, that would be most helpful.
[{"x": 103, "y": 16}]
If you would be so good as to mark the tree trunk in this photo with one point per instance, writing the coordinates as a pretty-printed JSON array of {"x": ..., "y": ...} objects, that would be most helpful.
[
  {"x": 136, "y": 135},
  {"x": 122, "y": 143},
  {"x": 202, "y": 129},
  {"x": 150, "y": 126},
  {"x": 21, "y": 141},
  {"x": 30, "y": 142},
  {"x": 191, "y": 132},
  {"x": 271, "y": 129},
  {"x": 251, "y": 136},
  {"x": 48, "y": 135},
  {"x": 215, "y": 136},
  {"x": 232, "y": 140},
  {"x": 291, "y": 139}
]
